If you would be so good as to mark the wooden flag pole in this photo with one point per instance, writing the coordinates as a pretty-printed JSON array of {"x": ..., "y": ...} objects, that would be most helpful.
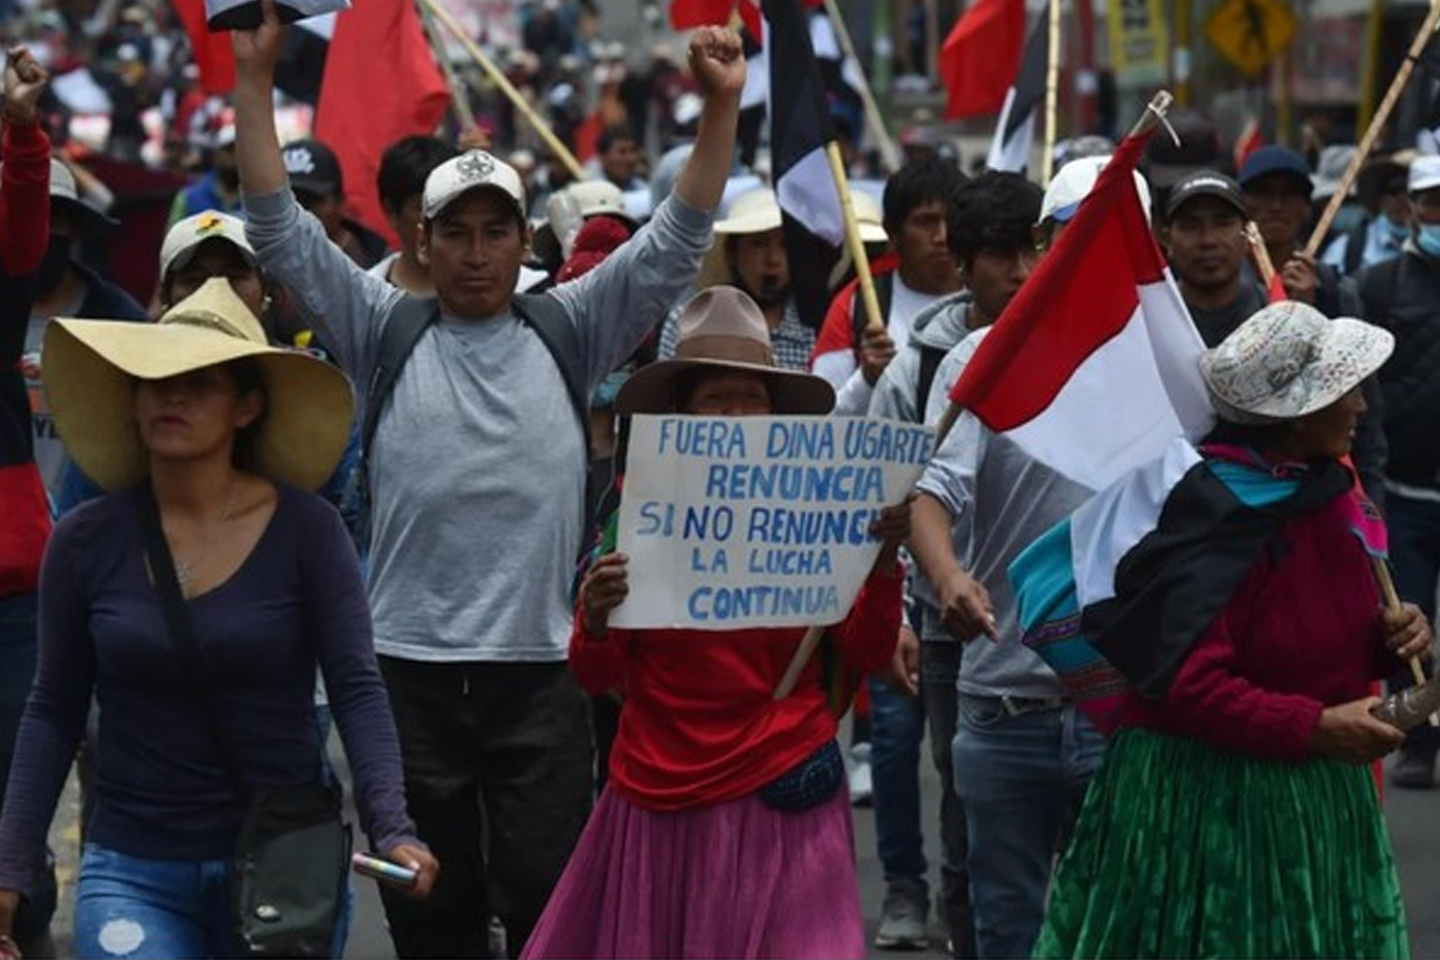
[
  {"x": 497, "y": 77},
  {"x": 1152, "y": 117},
  {"x": 1052, "y": 94},
  {"x": 874, "y": 321},
  {"x": 1263, "y": 265},
  {"x": 459, "y": 95},
  {"x": 1372, "y": 133},
  {"x": 876, "y": 124}
]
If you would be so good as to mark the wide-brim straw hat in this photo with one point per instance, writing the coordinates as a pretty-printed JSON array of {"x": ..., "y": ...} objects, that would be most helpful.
[
  {"x": 755, "y": 211},
  {"x": 91, "y": 367},
  {"x": 723, "y": 329},
  {"x": 1289, "y": 360}
]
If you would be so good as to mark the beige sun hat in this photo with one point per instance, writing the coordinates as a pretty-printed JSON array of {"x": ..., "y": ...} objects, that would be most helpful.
[
  {"x": 91, "y": 366},
  {"x": 1288, "y": 360},
  {"x": 722, "y": 328},
  {"x": 755, "y": 211}
]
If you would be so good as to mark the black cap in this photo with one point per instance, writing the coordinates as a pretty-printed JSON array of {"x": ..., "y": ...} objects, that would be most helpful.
[
  {"x": 1166, "y": 164},
  {"x": 313, "y": 168},
  {"x": 1206, "y": 183}
]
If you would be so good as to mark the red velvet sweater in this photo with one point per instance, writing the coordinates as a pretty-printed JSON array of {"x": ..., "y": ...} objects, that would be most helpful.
[
  {"x": 699, "y": 726},
  {"x": 1302, "y": 633}
]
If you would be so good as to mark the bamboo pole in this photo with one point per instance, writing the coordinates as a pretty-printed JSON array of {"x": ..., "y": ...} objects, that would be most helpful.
[
  {"x": 497, "y": 77},
  {"x": 1392, "y": 603},
  {"x": 1154, "y": 114},
  {"x": 459, "y": 95},
  {"x": 1052, "y": 93},
  {"x": 876, "y": 124},
  {"x": 874, "y": 321},
  {"x": 1372, "y": 133}
]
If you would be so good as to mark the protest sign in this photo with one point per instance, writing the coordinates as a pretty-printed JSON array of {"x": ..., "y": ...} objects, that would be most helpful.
[{"x": 733, "y": 522}]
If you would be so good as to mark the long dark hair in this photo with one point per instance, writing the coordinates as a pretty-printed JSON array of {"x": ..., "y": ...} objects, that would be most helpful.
[
  {"x": 249, "y": 378},
  {"x": 1258, "y": 436}
]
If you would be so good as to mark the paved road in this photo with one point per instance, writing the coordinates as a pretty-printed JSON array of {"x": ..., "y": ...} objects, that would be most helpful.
[{"x": 1411, "y": 816}]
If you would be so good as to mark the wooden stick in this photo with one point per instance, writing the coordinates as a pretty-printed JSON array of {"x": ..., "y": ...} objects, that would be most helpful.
[
  {"x": 1154, "y": 113},
  {"x": 459, "y": 94},
  {"x": 808, "y": 643},
  {"x": 1392, "y": 603},
  {"x": 874, "y": 319},
  {"x": 1052, "y": 94},
  {"x": 873, "y": 121},
  {"x": 1263, "y": 265},
  {"x": 497, "y": 77},
  {"x": 1372, "y": 133}
]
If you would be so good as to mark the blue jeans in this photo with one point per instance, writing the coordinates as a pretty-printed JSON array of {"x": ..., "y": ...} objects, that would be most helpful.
[
  {"x": 897, "y": 724},
  {"x": 1414, "y": 527},
  {"x": 1021, "y": 779},
  {"x": 18, "y": 645},
  {"x": 137, "y": 908}
]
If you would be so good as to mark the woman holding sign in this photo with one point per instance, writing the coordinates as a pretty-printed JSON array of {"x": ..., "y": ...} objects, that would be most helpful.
[{"x": 724, "y": 829}]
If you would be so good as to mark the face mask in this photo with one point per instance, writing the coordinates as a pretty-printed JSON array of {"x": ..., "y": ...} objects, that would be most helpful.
[
  {"x": 52, "y": 269},
  {"x": 1428, "y": 239},
  {"x": 1395, "y": 231}
]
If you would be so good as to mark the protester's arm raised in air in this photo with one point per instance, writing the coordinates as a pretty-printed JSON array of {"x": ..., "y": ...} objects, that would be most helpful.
[
  {"x": 24, "y": 193},
  {"x": 341, "y": 300},
  {"x": 616, "y": 304}
]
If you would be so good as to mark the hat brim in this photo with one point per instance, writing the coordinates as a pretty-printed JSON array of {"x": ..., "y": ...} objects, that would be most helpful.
[
  {"x": 1350, "y": 351},
  {"x": 91, "y": 366},
  {"x": 86, "y": 215},
  {"x": 652, "y": 388}
]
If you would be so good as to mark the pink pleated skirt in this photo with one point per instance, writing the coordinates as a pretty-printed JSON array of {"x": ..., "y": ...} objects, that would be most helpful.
[{"x": 734, "y": 880}]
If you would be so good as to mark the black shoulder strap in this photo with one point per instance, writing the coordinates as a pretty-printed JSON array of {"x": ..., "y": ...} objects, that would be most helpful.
[
  {"x": 552, "y": 325},
  {"x": 403, "y": 329},
  {"x": 182, "y": 631},
  {"x": 1355, "y": 246},
  {"x": 1377, "y": 290},
  {"x": 884, "y": 292},
  {"x": 930, "y": 358}
]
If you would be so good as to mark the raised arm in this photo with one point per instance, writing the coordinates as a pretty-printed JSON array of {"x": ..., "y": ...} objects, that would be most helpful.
[
  {"x": 718, "y": 65},
  {"x": 25, "y": 177},
  {"x": 257, "y": 145}
]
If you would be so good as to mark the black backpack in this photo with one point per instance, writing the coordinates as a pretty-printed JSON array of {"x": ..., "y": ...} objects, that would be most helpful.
[{"x": 407, "y": 323}]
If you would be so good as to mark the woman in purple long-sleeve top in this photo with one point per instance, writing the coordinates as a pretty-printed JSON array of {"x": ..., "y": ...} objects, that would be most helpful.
[{"x": 227, "y": 435}]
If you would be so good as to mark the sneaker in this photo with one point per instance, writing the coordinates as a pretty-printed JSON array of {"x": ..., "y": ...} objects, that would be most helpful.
[
  {"x": 1414, "y": 770},
  {"x": 862, "y": 790},
  {"x": 903, "y": 918}
]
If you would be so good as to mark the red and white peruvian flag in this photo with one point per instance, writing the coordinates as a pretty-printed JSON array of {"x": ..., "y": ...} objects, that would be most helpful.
[{"x": 1094, "y": 366}]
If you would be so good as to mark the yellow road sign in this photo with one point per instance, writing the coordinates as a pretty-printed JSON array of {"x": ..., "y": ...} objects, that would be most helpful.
[{"x": 1251, "y": 33}]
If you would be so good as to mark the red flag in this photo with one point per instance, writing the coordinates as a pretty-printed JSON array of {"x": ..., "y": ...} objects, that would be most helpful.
[
  {"x": 981, "y": 57},
  {"x": 212, "y": 51},
  {"x": 361, "y": 111}
]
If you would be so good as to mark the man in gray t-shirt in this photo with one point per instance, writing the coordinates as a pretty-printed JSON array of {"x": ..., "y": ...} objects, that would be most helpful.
[{"x": 477, "y": 470}]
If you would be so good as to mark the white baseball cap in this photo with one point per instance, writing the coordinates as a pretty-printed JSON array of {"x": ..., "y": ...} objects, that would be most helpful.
[
  {"x": 471, "y": 171},
  {"x": 183, "y": 239},
  {"x": 1424, "y": 173},
  {"x": 1073, "y": 183}
]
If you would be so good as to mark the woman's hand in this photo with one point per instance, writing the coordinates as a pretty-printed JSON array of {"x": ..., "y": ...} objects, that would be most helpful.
[
  {"x": 9, "y": 903},
  {"x": 605, "y": 587},
  {"x": 25, "y": 81},
  {"x": 1407, "y": 632},
  {"x": 423, "y": 862},
  {"x": 892, "y": 529},
  {"x": 1350, "y": 732}
]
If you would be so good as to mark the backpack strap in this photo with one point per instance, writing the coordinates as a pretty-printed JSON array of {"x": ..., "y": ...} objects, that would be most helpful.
[
  {"x": 930, "y": 358},
  {"x": 1355, "y": 246},
  {"x": 403, "y": 329},
  {"x": 1377, "y": 290},
  {"x": 547, "y": 317},
  {"x": 884, "y": 292}
]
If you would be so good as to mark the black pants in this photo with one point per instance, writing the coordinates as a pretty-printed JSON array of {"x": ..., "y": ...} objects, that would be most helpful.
[{"x": 498, "y": 777}]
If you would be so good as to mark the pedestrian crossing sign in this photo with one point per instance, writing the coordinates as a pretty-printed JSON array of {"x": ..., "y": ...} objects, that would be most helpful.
[{"x": 1251, "y": 33}]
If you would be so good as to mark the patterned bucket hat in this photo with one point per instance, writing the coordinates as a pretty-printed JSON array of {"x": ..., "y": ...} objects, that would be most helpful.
[{"x": 1289, "y": 360}]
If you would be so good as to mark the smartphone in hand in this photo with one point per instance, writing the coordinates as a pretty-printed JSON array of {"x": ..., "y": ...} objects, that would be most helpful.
[{"x": 383, "y": 870}]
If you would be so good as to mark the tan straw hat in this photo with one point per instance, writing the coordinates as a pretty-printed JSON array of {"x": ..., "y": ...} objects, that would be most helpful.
[
  {"x": 1288, "y": 360},
  {"x": 91, "y": 366},
  {"x": 755, "y": 211},
  {"x": 722, "y": 328}
]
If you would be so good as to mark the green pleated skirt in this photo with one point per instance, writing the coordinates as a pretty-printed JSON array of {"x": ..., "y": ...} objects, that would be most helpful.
[{"x": 1183, "y": 850}]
